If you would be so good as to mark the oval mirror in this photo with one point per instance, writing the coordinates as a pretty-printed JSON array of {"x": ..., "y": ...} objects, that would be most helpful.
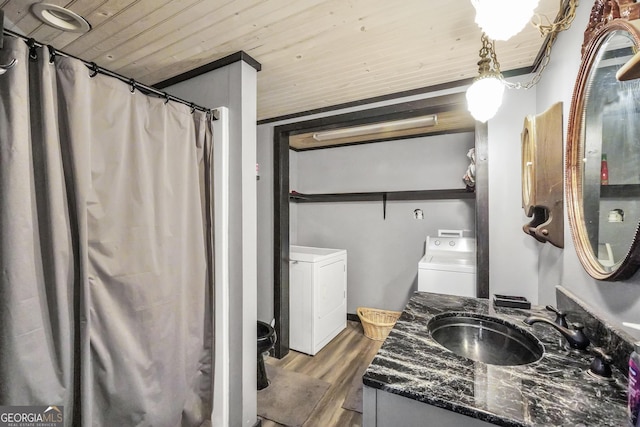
[{"x": 603, "y": 156}]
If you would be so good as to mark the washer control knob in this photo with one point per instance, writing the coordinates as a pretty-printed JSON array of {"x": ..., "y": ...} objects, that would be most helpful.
[
  {"x": 437, "y": 243},
  {"x": 452, "y": 243}
]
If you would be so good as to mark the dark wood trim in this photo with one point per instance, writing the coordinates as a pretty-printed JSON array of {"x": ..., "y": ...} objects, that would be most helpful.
[
  {"x": 455, "y": 193},
  {"x": 365, "y": 101},
  {"x": 219, "y": 63},
  {"x": 403, "y": 110},
  {"x": 281, "y": 192},
  {"x": 384, "y": 196},
  {"x": 281, "y": 242},
  {"x": 622, "y": 191},
  {"x": 482, "y": 209},
  {"x": 391, "y": 96}
]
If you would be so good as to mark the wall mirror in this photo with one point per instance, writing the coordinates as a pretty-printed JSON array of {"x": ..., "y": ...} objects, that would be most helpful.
[{"x": 603, "y": 155}]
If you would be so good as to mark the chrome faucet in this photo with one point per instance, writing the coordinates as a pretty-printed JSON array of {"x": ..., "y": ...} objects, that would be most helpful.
[{"x": 574, "y": 336}]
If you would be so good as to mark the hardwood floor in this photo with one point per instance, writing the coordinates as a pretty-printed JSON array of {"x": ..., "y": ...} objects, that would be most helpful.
[{"x": 338, "y": 363}]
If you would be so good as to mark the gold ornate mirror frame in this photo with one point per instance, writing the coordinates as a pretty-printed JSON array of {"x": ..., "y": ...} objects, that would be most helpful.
[{"x": 605, "y": 19}]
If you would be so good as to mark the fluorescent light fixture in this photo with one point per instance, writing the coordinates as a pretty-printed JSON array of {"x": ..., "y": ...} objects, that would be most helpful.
[{"x": 377, "y": 128}]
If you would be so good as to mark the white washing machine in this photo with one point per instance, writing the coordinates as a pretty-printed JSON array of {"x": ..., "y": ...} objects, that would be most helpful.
[
  {"x": 449, "y": 264},
  {"x": 317, "y": 297}
]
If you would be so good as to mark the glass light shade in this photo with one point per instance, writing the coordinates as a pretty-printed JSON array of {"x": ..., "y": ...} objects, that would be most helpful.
[
  {"x": 502, "y": 19},
  {"x": 484, "y": 97}
]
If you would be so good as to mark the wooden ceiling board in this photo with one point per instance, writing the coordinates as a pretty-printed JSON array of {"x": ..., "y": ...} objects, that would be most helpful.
[
  {"x": 138, "y": 14},
  {"x": 18, "y": 12},
  {"x": 189, "y": 39},
  {"x": 314, "y": 53},
  {"x": 164, "y": 37},
  {"x": 157, "y": 67},
  {"x": 299, "y": 35},
  {"x": 276, "y": 39},
  {"x": 140, "y": 44},
  {"x": 48, "y": 35},
  {"x": 96, "y": 17}
]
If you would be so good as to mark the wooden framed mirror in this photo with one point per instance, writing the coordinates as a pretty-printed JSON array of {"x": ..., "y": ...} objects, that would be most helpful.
[
  {"x": 542, "y": 176},
  {"x": 603, "y": 154}
]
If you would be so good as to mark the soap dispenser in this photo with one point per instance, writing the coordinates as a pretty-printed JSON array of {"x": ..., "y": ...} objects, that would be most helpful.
[{"x": 634, "y": 386}]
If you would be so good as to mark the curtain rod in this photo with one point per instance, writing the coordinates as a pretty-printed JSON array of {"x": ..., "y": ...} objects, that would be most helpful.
[{"x": 94, "y": 68}]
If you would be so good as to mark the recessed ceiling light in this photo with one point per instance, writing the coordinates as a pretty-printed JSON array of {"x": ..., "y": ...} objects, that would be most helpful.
[{"x": 60, "y": 18}]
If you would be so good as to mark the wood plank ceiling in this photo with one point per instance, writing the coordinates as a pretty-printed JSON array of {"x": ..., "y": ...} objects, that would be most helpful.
[{"x": 314, "y": 53}]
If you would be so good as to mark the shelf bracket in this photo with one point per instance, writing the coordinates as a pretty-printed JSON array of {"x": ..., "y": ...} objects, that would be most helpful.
[{"x": 384, "y": 205}]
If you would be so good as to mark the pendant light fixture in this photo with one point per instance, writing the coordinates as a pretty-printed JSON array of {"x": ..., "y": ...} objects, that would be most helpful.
[
  {"x": 484, "y": 96},
  {"x": 490, "y": 16}
]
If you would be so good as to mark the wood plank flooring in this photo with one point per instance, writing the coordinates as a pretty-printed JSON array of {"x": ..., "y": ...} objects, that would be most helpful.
[{"x": 337, "y": 364}]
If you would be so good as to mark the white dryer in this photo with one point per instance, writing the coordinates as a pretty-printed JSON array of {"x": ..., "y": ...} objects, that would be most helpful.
[
  {"x": 449, "y": 264},
  {"x": 317, "y": 297}
]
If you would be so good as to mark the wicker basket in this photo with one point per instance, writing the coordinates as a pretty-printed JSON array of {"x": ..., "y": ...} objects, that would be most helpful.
[{"x": 377, "y": 323}]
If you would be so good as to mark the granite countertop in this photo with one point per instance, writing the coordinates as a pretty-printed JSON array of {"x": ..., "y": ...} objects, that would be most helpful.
[{"x": 554, "y": 391}]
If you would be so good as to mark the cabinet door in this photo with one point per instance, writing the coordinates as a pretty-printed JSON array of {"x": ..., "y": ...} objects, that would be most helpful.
[{"x": 382, "y": 409}]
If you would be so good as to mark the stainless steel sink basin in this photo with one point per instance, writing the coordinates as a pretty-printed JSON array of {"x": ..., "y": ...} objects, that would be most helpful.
[{"x": 485, "y": 339}]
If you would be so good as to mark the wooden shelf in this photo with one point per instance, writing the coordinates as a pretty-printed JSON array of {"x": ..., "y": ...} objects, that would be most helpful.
[
  {"x": 384, "y": 196},
  {"x": 624, "y": 191}
]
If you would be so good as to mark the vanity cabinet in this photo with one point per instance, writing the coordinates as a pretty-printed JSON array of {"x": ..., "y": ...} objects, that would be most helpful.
[
  {"x": 414, "y": 381},
  {"x": 382, "y": 409}
]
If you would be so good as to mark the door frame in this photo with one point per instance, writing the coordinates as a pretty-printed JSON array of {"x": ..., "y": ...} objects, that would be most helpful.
[{"x": 399, "y": 111}]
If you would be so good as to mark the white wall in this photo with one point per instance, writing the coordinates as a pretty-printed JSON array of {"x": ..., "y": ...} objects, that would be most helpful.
[
  {"x": 513, "y": 255},
  {"x": 265, "y": 224},
  {"x": 383, "y": 254},
  {"x": 424, "y": 163},
  {"x": 234, "y": 86},
  {"x": 619, "y": 301}
]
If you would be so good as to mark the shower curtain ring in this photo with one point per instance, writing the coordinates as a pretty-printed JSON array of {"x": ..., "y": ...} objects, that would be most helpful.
[
  {"x": 10, "y": 65},
  {"x": 193, "y": 107},
  {"x": 52, "y": 54},
  {"x": 166, "y": 98},
  {"x": 133, "y": 85},
  {"x": 94, "y": 70},
  {"x": 33, "y": 54}
]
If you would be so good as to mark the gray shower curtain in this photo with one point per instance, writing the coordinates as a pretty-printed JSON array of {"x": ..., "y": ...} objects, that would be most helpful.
[{"x": 105, "y": 248}]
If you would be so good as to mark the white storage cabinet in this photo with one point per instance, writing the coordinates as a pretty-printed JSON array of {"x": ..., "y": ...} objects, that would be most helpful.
[{"x": 317, "y": 297}]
